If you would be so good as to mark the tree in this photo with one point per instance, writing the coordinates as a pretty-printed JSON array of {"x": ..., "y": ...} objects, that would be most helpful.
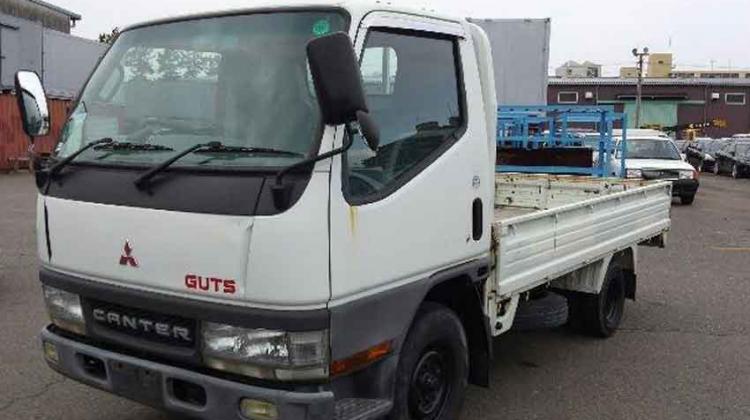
[{"x": 108, "y": 38}]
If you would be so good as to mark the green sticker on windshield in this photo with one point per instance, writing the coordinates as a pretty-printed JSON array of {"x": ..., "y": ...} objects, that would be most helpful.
[{"x": 321, "y": 27}]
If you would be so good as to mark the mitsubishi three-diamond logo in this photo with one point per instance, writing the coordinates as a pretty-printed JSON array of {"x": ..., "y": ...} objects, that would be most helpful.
[{"x": 127, "y": 258}]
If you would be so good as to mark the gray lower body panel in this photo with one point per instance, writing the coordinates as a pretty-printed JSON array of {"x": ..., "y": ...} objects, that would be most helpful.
[{"x": 153, "y": 384}]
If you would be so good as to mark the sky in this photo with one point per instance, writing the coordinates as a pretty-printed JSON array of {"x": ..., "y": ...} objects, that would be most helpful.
[{"x": 700, "y": 33}]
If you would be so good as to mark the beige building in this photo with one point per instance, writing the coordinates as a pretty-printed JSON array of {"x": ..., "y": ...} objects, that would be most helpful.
[
  {"x": 659, "y": 65},
  {"x": 576, "y": 69},
  {"x": 628, "y": 72}
]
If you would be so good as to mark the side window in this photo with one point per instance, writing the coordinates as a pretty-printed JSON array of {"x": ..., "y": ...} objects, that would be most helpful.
[
  {"x": 413, "y": 91},
  {"x": 379, "y": 69}
]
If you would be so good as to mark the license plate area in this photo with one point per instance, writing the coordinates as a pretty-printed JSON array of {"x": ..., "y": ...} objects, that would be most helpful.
[
  {"x": 136, "y": 383},
  {"x": 148, "y": 326}
]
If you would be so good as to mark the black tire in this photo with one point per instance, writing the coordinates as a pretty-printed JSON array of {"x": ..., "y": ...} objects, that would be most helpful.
[
  {"x": 735, "y": 171},
  {"x": 548, "y": 311},
  {"x": 687, "y": 200},
  {"x": 433, "y": 370},
  {"x": 600, "y": 315}
]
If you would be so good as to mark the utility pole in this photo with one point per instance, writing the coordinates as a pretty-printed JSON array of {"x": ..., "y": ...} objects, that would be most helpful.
[{"x": 639, "y": 92}]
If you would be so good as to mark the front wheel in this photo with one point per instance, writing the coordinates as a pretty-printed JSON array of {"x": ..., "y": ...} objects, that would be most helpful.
[{"x": 433, "y": 370}]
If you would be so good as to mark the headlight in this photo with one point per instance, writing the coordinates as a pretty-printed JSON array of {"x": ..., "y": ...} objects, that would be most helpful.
[
  {"x": 687, "y": 174},
  {"x": 266, "y": 354},
  {"x": 634, "y": 173},
  {"x": 65, "y": 310},
  {"x": 708, "y": 158}
]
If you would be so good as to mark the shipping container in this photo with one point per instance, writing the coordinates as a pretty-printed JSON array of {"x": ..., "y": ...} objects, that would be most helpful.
[
  {"x": 14, "y": 143},
  {"x": 520, "y": 48}
]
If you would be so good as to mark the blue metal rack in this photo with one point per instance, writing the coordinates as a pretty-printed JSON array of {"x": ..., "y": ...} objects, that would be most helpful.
[{"x": 539, "y": 127}]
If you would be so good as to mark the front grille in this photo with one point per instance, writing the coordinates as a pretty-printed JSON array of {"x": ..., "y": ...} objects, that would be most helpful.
[
  {"x": 661, "y": 174},
  {"x": 141, "y": 324}
]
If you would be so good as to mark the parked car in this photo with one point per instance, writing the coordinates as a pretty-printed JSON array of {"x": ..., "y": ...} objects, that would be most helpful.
[
  {"x": 656, "y": 157},
  {"x": 640, "y": 132},
  {"x": 699, "y": 153},
  {"x": 734, "y": 159}
]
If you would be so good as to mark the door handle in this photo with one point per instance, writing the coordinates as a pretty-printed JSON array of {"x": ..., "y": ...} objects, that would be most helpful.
[{"x": 477, "y": 212}]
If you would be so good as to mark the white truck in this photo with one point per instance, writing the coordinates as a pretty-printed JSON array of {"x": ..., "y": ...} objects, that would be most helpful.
[{"x": 236, "y": 226}]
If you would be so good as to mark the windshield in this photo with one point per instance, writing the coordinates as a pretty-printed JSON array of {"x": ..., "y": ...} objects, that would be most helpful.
[
  {"x": 743, "y": 150},
  {"x": 652, "y": 149},
  {"x": 239, "y": 80}
]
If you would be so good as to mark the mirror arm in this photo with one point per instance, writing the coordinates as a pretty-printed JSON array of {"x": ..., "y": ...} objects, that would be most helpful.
[{"x": 281, "y": 192}]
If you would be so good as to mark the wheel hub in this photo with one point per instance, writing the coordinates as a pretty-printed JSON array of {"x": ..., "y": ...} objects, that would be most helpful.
[{"x": 429, "y": 386}]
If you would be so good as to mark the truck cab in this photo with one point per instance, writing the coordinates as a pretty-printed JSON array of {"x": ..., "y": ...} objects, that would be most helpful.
[{"x": 251, "y": 301}]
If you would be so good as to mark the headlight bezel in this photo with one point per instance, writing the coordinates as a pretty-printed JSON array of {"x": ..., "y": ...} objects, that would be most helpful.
[
  {"x": 300, "y": 356},
  {"x": 633, "y": 173},
  {"x": 64, "y": 309},
  {"x": 687, "y": 174}
]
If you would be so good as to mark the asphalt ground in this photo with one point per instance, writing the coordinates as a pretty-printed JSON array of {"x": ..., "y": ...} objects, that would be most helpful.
[{"x": 683, "y": 352}]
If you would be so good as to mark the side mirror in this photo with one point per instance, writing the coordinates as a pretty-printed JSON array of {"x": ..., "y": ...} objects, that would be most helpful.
[
  {"x": 338, "y": 84},
  {"x": 335, "y": 73},
  {"x": 32, "y": 101},
  {"x": 341, "y": 97}
]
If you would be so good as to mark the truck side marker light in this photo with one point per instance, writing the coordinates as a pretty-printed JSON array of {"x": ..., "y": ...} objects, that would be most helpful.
[
  {"x": 50, "y": 353},
  {"x": 361, "y": 359},
  {"x": 258, "y": 410}
]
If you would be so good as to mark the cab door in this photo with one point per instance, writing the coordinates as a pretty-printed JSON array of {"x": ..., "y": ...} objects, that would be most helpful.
[{"x": 422, "y": 202}]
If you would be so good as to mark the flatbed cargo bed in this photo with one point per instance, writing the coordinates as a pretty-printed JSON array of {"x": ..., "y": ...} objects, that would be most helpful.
[{"x": 553, "y": 225}]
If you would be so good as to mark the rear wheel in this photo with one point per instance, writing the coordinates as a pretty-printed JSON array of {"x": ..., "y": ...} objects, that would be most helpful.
[
  {"x": 600, "y": 315},
  {"x": 433, "y": 370}
]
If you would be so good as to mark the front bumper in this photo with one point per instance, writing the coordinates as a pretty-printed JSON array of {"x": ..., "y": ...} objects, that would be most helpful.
[
  {"x": 163, "y": 386},
  {"x": 685, "y": 187}
]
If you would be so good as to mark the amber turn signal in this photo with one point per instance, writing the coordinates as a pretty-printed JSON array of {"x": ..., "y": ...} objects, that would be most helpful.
[{"x": 361, "y": 359}]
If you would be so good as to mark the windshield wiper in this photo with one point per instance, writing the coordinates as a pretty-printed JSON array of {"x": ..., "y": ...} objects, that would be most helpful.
[
  {"x": 249, "y": 150},
  {"x": 142, "y": 181},
  {"x": 130, "y": 147},
  {"x": 54, "y": 170},
  {"x": 212, "y": 147},
  {"x": 133, "y": 146}
]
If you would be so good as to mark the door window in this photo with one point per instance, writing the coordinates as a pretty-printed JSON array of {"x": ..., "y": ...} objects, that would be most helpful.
[{"x": 412, "y": 82}]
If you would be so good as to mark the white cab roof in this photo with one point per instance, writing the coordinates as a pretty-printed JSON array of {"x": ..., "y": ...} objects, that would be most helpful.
[{"x": 356, "y": 8}]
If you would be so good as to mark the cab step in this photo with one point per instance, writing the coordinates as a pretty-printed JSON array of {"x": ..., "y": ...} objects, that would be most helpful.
[{"x": 362, "y": 409}]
